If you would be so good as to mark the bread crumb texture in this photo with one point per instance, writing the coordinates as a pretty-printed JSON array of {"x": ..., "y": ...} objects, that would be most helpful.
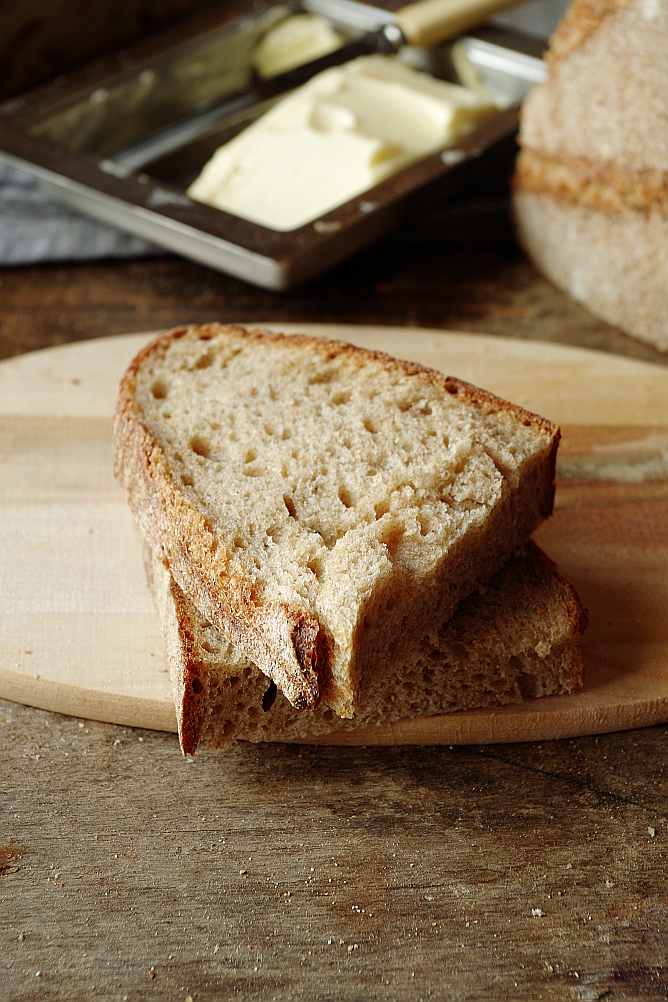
[{"x": 331, "y": 481}]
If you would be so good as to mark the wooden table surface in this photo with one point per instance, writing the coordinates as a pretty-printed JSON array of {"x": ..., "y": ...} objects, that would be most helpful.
[{"x": 527, "y": 871}]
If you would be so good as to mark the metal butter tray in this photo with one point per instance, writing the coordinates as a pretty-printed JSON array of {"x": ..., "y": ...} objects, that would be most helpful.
[{"x": 79, "y": 137}]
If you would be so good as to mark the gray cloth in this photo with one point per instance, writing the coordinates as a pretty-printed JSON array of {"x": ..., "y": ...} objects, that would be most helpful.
[{"x": 33, "y": 228}]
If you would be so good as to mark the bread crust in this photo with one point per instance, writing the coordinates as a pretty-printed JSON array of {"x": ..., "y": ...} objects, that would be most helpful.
[
  {"x": 590, "y": 193},
  {"x": 284, "y": 641},
  {"x": 614, "y": 263},
  {"x": 593, "y": 184},
  {"x": 580, "y": 21}
]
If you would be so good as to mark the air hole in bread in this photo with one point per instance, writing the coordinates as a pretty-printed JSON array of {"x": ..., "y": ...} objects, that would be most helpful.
[
  {"x": 205, "y": 335},
  {"x": 527, "y": 684},
  {"x": 290, "y": 505},
  {"x": 340, "y": 398},
  {"x": 381, "y": 507},
  {"x": 187, "y": 480},
  {"x": 345, "y": 498},
  {"x": 200, "y": 446},
  {"x": 178, "y": 458},
  {"x": 426, "y": 409},
  {"x": 196, "y": 686},
  {"x": 404, "y": 405},
  {"x": 268, "y": 430},
  {"x": 370, "y": 426},
  {"x": 209, "y": 648},
  {"x": 269, "y": 698},
  {"x": 159, "y": 389},
  {"x": 285, "y": 434},
  {"x": 234, "y": 681},
  {"x": 204, "y": 361},
  {"x": 315, "y": 567}
]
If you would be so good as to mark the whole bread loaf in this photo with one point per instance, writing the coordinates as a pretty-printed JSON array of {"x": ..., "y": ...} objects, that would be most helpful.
[
  {"x": 591, "y": 186},
  {"x": 514, "y": 640},
  {"x": 323, "y": 506}
]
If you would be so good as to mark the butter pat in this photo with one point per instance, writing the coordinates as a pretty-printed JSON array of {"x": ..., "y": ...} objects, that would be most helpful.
[
  {"x": 295, "y": 41},
  {"x": 340, "y": 134}
]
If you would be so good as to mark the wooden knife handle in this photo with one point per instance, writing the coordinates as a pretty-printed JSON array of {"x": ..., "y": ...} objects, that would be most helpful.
[{"x": 428, "y": 22}]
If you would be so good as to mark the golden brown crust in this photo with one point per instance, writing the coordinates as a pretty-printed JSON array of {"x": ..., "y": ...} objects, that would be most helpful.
[
  {"x": 283, "y": 640},
  {"x": 591, "y": 184},
  {"x": 577, "y": 614},
  {"x": 176, "y": 529},
  {"x": 581, "y": 20},
  {"x": 192, "y": 711}
]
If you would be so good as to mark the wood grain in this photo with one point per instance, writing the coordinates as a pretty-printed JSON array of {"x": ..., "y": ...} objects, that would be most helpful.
[
  {"x": 488, "y": 287},
  {"x": 79, "y": 631},
  {"x": 506, "y": 872}
]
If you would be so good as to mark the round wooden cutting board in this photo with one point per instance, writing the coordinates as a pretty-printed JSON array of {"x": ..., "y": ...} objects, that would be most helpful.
[{"x": 79, "y": 632}]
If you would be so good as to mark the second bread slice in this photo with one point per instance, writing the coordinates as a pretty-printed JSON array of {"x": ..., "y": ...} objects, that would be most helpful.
[
  {"x": 323, "y": 506},
  {"x": 517, "y": 639}
]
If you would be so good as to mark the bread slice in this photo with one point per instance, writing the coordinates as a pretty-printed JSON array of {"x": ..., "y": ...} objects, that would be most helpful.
[
  {"x": 591, "y": 186},
  {"x": 323, "y": 506},
  {"x": 515, "y": 639}
]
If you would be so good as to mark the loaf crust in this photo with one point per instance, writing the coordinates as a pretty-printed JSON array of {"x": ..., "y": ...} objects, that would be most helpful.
[
  {"x": 515, "y": 640},
  {"x": 590, "y": 192},
  {"x": 287, "y": 639},
  {"x": 614, "y": 263}
]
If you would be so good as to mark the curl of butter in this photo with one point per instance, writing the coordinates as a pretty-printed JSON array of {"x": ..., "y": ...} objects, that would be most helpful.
[{"x": 295, "y": 41}]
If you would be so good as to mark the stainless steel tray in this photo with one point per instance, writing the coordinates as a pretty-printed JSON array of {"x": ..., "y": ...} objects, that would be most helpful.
[{"x": 72, "y": 134}]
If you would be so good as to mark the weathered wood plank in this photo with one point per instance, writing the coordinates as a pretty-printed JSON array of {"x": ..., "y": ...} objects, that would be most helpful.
[
  {"x": 489, "y": 288},
  {"x": 285, "y": 873}
]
